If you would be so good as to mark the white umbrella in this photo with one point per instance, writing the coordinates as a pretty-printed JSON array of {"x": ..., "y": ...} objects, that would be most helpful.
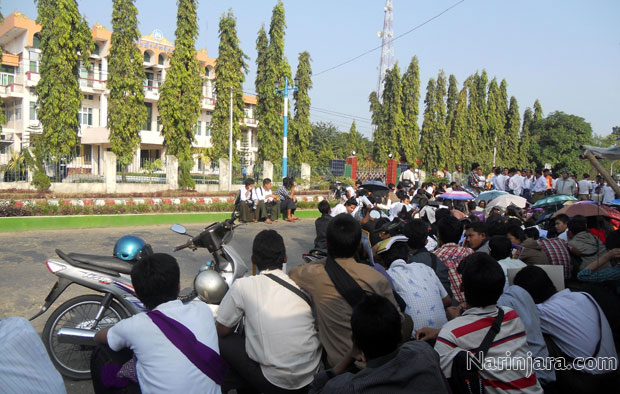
[{"x": 504, "y": 201}]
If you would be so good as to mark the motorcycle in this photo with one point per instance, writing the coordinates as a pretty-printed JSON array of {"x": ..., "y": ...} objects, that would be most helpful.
[{"x": 69, "y": 331}]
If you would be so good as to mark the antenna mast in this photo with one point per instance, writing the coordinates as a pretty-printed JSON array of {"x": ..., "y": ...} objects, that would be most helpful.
[{"x": 387, "y": 46}]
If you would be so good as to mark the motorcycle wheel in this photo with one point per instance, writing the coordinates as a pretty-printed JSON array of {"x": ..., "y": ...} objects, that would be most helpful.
[{"x": 73, "y": 361}]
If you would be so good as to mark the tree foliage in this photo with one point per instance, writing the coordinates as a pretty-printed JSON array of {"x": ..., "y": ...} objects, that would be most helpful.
[
  {"x": 126, "y": 112},
  {"x": 411, "y": 108},
  {"x": 179, "y": 102},
  {"x": 357, "y": 142},
  {"x": 525, "y": 140},
  {"x": 392, "y": 116},
  {"x": 496, "y": 121},
  {"x": 560, "y": 136},
  {"x": 301, "y": 128},
  {"x": 441, "y": 133},
  {"x": 230, "y": 70},
  {"x": 428, "y": 147},
  {"x": 327, "y": 143},
  {"x": 510, "y": 149},
  {"x": 65, "y": 40},
  {"x": 461, "y": 148}
]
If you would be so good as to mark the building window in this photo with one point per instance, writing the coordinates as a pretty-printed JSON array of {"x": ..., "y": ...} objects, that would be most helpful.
[
  {"x": 36, "y": 40},
  {"x": 86, "y": 152},
  {"x": 161, "y": 59},
  {"x": 86, "y": 116},
  {"x": 159, "y": 125},
  {"x": 147, "y": 57},
  {"x": 33, "y": 110},
  {"x": 34, "y": 66},
  {"x": 208, "y": 129},
  {"x": 149, "y": 116},
  {"x": 198, "y": 127},
  {"x": 96, "y": 50},
  {"x": 207, "y": 71}
]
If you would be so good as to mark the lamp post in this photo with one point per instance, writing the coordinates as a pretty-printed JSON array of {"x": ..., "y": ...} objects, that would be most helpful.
[{"x": 284, "y": 93}]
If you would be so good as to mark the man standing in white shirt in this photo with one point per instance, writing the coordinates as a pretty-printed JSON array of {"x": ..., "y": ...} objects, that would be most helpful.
[
  {"x": 515, "y": 183},
  {"x": 280, "y": 351},
  {"x": 539, "y": 186},
  {"x": 407, "y": 178},
  {"x": 585, "y": 188},
  {"x": 608, "y": 194},
  {"x": 498, "y": 180}
]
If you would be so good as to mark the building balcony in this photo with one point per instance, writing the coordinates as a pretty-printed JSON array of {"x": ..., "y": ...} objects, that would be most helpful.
[
  {"x": 251, "y": 122},
  {"x": 151, "y": 90},
  {"x": 32, "y": 78},
  {"x": 208, "y": 103}
]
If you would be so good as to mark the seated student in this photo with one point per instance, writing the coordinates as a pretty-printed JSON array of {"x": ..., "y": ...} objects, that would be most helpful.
[
  {"x": 530, "y": 251},
  {"x": 403, "y": 203},
  {"x": 416, "y": 231},
  {"x": 247, "y": 202},
  {"x": 557, "y": 252},
  {"x": 161, "y": 366},
  {"x": 268, "y": 203},
  {"x": 333, "y": 310},
  {"x": 375, "y": 327},
  {"x": 288, "y": 201},
  {"x": 483, "y": 283},
  {"x": 476, "y": 237},
  {"x": 583, "y": 245},
  {"x": 320, "y": 225},
  {"x": 576, "y": 327},
  {"x": 561, "y": 226},
  {"x": 449, "y": 231},
  {"x": 348, "y": 207},
  {"x": 25, "y": 366},
  {"x": 416, "y": 283},
  {"x": 280, "y": 351},
  {"x": 501, "y": 250}
]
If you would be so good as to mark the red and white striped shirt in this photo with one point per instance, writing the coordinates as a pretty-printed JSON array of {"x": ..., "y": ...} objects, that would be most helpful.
[{"x": 467, "y": 332}]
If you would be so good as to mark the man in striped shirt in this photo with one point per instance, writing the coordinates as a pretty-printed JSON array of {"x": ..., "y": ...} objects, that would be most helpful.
[{"x": 483, "y": 282}]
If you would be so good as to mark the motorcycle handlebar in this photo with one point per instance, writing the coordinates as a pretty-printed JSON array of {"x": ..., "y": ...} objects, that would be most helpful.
[{"x": 185, "y": 245}]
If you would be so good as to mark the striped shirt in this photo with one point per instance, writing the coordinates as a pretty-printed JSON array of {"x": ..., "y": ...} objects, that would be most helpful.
[
  {"x": 24, "y": 364},
  {"x": 467, "y": 332}
]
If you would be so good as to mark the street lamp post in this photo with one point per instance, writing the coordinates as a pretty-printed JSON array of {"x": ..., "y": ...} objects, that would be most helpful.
[{"x": 284, "y": 93}]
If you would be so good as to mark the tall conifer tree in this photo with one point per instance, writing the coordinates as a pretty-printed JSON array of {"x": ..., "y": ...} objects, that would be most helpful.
[
  {"x": 357, "y": 142},
  {"x": 525, "y": 141},
  {"x": 126, "y": 112},
  {"x": 262, "y": 90},
  {"x": 428, "y": 147},
  {"x": 381, "y": 139},
  {"x": 441, "y": 131},
  {"x": 411, "y": 108},
  {"x": 513, "y": 126},
  {"x": 65, "y": 40},
  {"x": 230, "y": 70},
  {"x": 461, "y": 144},
  {"x": 179, "y": 102},
  {"x": 496, "y": 121},
  {"x": 538, "y": 111},
  {"x": 301, "y": 128},
  {"x": 392, "y": 115},
  {"x": 452, "y": 156}
]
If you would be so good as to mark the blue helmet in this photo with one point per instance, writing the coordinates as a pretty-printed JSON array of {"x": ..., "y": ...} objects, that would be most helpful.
[{"x": 128, "y": 247}]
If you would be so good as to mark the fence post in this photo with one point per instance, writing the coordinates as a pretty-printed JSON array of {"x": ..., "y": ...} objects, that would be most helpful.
[
  {"x": 223, "y": 174},
  {"x": 306, "y": 171},
  {"x": 109, "y": 171},
  {"x": 391, "y": 172},
  {"x": 172, "y": 172},
  {"x": 352, "y": 161},
  {"x": 268, "y": 170}
]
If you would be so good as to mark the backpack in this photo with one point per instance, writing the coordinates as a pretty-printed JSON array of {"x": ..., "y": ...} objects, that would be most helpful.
[{"x": 466, "y": 380}]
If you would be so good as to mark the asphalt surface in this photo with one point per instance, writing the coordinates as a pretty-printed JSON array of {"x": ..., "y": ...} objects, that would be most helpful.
[{"x": 25, "y": 280}]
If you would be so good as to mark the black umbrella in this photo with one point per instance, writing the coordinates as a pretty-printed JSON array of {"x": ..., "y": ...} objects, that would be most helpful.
[{"x": 375, "y": 186}]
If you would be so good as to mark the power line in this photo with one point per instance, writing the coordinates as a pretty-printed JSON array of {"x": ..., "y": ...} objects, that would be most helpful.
[
  {"x": 341, "y": 114},
  {"x": 392, "y": 40}
]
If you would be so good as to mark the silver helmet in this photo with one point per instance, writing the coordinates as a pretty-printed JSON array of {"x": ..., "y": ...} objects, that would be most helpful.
[{"x": 210, "y": 286}]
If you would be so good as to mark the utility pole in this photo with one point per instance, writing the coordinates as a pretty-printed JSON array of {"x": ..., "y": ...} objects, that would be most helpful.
[
  {"x": 284, "y": 92},
  {"x": 230, "y": 141}
]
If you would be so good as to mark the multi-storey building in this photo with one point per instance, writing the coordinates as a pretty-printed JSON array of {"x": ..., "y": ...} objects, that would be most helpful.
[{"x": 19, "y": 74}]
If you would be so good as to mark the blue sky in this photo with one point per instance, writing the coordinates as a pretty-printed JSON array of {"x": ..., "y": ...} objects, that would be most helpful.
[{"x": 566, "y": 53}]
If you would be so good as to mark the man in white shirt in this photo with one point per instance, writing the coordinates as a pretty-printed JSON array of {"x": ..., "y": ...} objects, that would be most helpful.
[
  {"x": 348, "y": 207},
  {"x": 498, "y": 180},
  {"x": 566, "y": 185},
  {"x": 408, "y": 177},
  {"x": 398, "y": 207},
  {"x": 161, "y": 367},
  {"x": 515, "y": 183},
  {"x": 585, "y": 188},
  {"x": 247, "y": 202},
  {"x": 267, "y": 202},
  {"x": 281, "y": 350},
  {"x": 539, "y": 186},
  {"x": 608, "y": 194}
]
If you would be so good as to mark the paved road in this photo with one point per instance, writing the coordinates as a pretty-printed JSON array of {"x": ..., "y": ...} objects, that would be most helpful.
[{"x": 25, "y": 280}]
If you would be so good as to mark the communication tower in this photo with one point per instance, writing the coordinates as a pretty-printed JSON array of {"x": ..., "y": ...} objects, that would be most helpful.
[{"x": 387, "y": 45}]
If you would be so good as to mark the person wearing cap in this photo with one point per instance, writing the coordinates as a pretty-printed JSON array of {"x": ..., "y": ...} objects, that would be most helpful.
[
  {"x": 457, "y": 176},
  {"x": 566, "y": 185}
]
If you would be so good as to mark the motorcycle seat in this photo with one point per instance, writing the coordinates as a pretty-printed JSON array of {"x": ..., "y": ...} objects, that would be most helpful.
[{"x": 108, "y": 262}]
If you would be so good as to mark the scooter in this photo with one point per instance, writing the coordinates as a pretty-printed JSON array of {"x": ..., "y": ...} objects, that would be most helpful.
[{"x": 69, "y": 331}]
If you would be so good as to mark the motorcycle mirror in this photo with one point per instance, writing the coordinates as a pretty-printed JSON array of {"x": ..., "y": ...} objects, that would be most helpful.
[{"x": 177, "y": 228}]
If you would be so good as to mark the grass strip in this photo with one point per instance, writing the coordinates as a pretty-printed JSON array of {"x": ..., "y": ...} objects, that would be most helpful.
[{"x": 37, "y": 223}]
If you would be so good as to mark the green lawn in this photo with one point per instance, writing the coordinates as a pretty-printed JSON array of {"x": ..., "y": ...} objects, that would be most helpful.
[{"x": 33, "y": 223}]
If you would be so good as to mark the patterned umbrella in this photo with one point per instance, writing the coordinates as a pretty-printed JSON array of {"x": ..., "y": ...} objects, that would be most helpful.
[
  {"x": 489, "y": 195},
  {"x": 457, "y": 195},
  {"x": 553, "y": 200}
]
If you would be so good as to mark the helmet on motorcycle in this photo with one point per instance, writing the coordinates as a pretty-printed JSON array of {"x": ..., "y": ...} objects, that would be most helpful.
[
  {"x": 210, "y": 286},
  {"x": 128, "y": 247}
]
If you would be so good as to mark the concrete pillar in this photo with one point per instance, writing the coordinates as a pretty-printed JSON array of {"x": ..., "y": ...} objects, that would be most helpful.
[
  {"x": 172, "y": 172},
  {"x": 306, "y": 171},
  {"x": 223, "y": 174},
  {"x": 103, "y": 110},
  {"x": 109, "y": 171},
  {"x": 268, "y": 171},
  {"x": 352, "y": 161},
  {"x": 391, "y": 172}
]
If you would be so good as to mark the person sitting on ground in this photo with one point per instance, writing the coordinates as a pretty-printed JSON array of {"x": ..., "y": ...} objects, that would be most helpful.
[
  {"x": 561, "y": 226},
  {"x": 403, "y": 203},
  {"x": 501, "y": 250},
  {"x": 333, "y": 310},
  {"x": 161, "y": 366},
  {"x": 584, "y": 246},
  {"x": 529, "y": 251},
  {"x": 416, "y": 283},
  {"x": 268, "y": 203},
  {"x": 574, "y": 326},
  {"x": 288, "y": 201},
  {"x": 416, "y": 231},
  {"x": 247, "y": 203},
  {"x": 449, "y": 231},
  {"x": 476, "y": 237},
  {"x": 25, "y": 366},
  {"x": 320, "y": 225},
  {"x": 483, "y": 283},
  {"x": 558, "y": 253},
  {"x": 280, "y": 352},
  {"x": 348, "y": 207},
  {"x": 411, "y": 368}
]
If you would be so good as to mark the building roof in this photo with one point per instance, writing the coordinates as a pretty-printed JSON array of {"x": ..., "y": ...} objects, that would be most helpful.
[{"x": 15, "y": 24}]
